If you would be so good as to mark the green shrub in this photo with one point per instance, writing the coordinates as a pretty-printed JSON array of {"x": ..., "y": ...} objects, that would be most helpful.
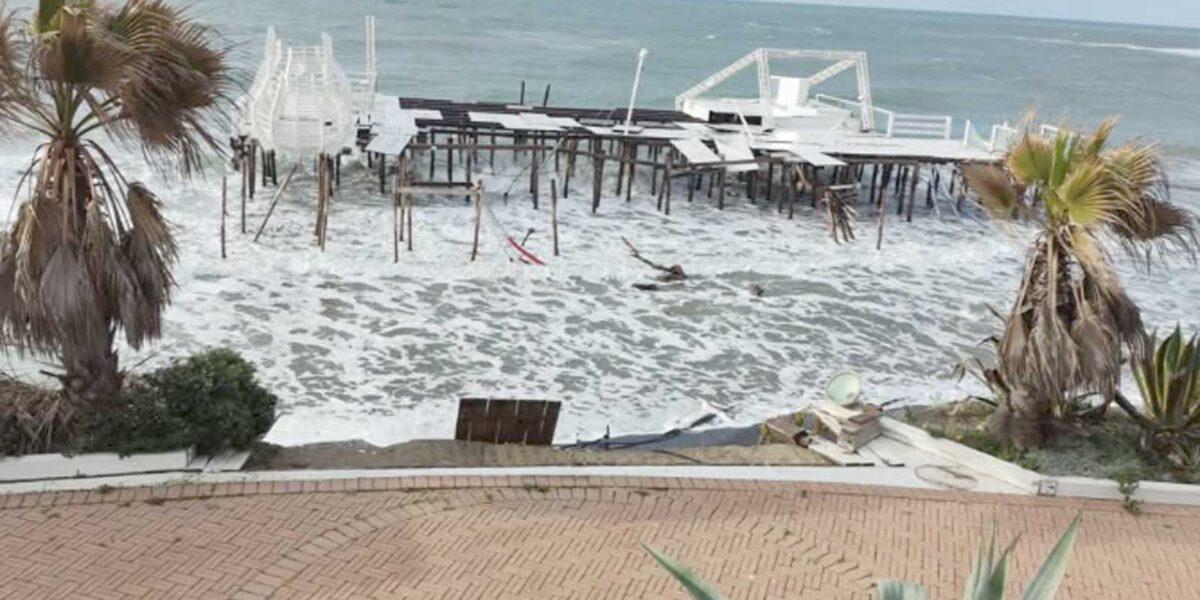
[{"x": 211, "y": 400}]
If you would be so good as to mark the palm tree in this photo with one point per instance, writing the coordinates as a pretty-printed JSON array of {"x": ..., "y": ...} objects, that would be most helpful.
[
  {"x": 1072, "y": 317},
  {"x": 89, "y": 253}
]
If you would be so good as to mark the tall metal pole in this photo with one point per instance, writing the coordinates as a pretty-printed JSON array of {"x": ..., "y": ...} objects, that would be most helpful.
[{"x": 637, "y": 80}]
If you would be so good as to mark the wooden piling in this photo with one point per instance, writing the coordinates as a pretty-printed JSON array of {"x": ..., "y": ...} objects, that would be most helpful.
[
  {"x": 408, "y": 220},
  {"x": 252, "y": 157},
  {"x": 243, "y": 174},
  {"x": 668, "y": 182},
  {"x": 912, "y": 191},
  {"x": 883, "y": 205},
  {"x": 224, "y": 203},
  {"x": 621, "y": 165},
  {"x": 770, "y": 179},
  {"x": 793, "y": 179},
  {"x": 554, "y": 213},
  {"x": 266, "y": 165},
  {"x": 478, "y": 222},
  {"x": 598, "y": 179},
  {"x": 535, "y": 168},
  {"x": 278, "y": 193},
  {"x": 721, "y": 191},
  {"x": 382, "y": 173}
]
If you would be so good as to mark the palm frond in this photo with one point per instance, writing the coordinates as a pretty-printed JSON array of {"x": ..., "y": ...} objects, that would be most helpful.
[
  {"x": 1031, "y": 159},
  {"x": 72, "y": 55},
  {"x": 171, "y": 102},
  {"x": 995, "y": 189},
  {"x": 1087, "y": 195},
  {"x": 1094, "y": 144},
  {"x": 1149, "y": 221},
  {"x": 12, "y": 57}
]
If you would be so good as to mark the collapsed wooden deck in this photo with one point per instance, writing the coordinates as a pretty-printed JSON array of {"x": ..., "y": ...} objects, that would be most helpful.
[
  {"x": 783, "y": 166},
  {"x": 452, "y": 143}
]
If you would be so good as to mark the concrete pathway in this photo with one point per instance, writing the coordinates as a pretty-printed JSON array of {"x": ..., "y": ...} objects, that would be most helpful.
[{"x": 569, "y": 537}]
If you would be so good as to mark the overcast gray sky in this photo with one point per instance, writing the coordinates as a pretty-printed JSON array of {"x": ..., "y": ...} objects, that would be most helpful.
[{"x": 1179, "y": 13}]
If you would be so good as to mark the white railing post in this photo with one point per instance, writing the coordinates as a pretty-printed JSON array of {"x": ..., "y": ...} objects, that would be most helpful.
[
  {"x": 967, "y": 134},
  {"x": 949, "y": 127},
  {"x": 891, "y": 124}
]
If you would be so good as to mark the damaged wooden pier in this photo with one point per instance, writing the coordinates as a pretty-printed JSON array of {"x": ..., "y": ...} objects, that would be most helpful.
[{"x": 785, "y": 145}]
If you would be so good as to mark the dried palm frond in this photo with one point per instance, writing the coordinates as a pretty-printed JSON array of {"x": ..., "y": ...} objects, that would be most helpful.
[
  {"x": 33, "y": 420},
  {"x": 841, "y": 216}
]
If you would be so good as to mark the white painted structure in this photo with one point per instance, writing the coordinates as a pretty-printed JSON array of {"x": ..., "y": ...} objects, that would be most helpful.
[{"x": 302, "y": 102}]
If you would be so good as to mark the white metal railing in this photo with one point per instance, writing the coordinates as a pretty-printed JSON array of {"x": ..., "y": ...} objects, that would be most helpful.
[
  {"x": 932, "y": 126},
  {"x": 1002, "y": 136},
  {"x": 853, "y": 105},
  {"x": 898, "y": 124}
]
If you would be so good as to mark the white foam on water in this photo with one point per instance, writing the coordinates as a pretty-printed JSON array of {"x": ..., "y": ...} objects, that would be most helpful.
[{"x": 359, "y": 347}]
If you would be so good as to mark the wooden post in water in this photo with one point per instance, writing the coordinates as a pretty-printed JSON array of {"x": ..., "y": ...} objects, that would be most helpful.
[
  {"x": 224, "y": 203},
  {"x": 770, "y": 179},
  {"x": 597, "y": 180},
  {"x": 478, "y": 222},
  {"x": 252, "y": 160},
  {"x": 470, "y": 163},
  {"x": 266, "y": 164},
  {"x": 243, "y": 174},
  {"x": 408, "y": 220},
  {"x": 654, "y": 172},
  {"x": 912, "y": 191},
  {"x": 791, "y": 192},
  {"x": 668, "y": 182},
  {"x": 875, "y": 179},
  {"x": 691, "y": 186},
  {"x": 883, "y": 205},
  {"x": 931, "y": 185},
  {"x": 274, "y": 201},
  {"x": 432, "y": 155},
  {"x": 621, "y": 166},
  {"x": 554, "y": 213},
  {"x": 534, "y": 169},
  {"x": 721, "y": 191},
  {"x": 633, "y": 155},
  {"x": 571, "y": 148},
  {"x": 397, "y": 226}
]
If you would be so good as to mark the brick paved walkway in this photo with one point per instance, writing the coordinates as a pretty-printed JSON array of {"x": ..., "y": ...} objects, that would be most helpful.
[{"x": 560, "y": 538}]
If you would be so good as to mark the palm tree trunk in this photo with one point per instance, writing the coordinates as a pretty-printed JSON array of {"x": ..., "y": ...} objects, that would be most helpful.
[
  {"x": 1024, "y": 419},
  {"x": 92, "y": 381}
]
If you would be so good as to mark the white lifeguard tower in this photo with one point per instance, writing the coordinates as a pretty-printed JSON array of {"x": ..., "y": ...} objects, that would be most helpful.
[{"x": 302, "y": 103}]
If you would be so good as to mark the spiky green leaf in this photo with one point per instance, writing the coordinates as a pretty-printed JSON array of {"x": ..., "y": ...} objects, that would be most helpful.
[
  {"x": 890, "y": 589},
  {"x": 697, "y": 587},
  {"x": 1044, "y": 585}
]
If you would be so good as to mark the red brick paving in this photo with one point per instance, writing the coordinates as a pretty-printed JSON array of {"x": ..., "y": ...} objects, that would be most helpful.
[{"x": 561, "y": 538}]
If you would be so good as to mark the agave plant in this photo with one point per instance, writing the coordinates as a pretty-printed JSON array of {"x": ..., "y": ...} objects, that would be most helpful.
[
  {"x": 1168, "y": 377},
  {"x": 90, "y": 253},
  {"x": 987, "y": 581},
  {"x": 1071, "y": 318}
]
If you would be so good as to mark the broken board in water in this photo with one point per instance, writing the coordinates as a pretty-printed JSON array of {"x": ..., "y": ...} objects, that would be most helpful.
[{"x": 525, "y": 422}]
